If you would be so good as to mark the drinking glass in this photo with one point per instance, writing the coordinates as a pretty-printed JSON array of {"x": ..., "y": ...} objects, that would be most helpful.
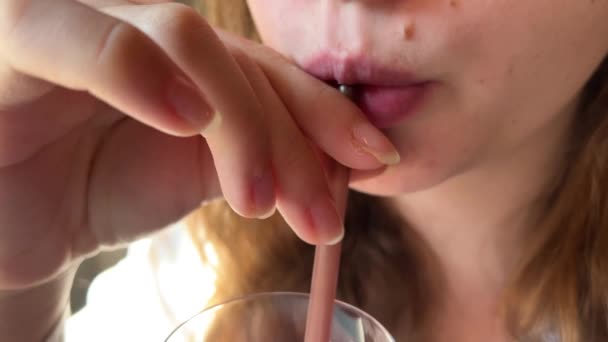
[{"x": 275, "y": 316}]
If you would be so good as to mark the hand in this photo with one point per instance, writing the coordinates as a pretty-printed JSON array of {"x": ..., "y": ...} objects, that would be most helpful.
[{"x": 102, "y": 107}]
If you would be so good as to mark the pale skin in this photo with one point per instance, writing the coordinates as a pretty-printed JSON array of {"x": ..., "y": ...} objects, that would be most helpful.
[
  {"x": 480, "y": 129},
  {"x": 109, "y": 131},
  {"x": 482, "y": 151}
]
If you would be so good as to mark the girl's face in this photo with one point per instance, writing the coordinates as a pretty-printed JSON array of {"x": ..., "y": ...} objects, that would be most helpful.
[{"x": 492, "y": 78}]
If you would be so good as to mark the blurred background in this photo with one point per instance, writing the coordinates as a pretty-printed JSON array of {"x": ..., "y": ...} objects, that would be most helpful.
[{"x": 88, "y": 271}]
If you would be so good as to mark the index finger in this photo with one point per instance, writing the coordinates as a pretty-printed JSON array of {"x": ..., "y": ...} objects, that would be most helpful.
[
  {"x": 70, "y": 44},
  {"x": 333, "y": 122}
]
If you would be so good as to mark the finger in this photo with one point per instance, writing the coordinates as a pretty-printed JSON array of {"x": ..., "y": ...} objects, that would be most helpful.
[
  {"x": 67, "y": 43},
  {"x": 17, "y": 88},
  {"x": 304, "y": 198},
  {"x": 338, "y": 179},
  {"x": 106, "y": 3},
  {"x": 240, "y": 146},
  {"x": 327, "y": 117}
]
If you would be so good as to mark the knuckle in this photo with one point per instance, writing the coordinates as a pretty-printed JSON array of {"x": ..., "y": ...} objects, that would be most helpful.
[
  {"x": 180, "y": 11},
  {"x": 183, "y": 22},
  {"x": 118, "y": 39},
  {"x": 180, "y": 27},
  {"x": 11, "y": 13}
]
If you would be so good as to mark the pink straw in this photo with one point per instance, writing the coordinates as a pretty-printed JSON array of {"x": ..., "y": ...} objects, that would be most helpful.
[
  {"x": 323, "y": 287},
  {"x": 327, "y": 265},
  {"x": 322, "y": 293}
]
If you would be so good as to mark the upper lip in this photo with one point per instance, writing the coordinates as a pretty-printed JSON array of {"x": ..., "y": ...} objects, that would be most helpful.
[{"x": 357, "y": 70}]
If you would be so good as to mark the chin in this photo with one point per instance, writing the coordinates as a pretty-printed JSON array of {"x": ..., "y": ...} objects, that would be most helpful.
[{"x": 398, "y": 180}]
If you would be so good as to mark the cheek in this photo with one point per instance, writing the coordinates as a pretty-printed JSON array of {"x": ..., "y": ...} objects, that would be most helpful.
[
  {"x": 278, "y": 21},
  {"x": 510, "y": 81},
  {"x": 442, "y": 141},
  {"x": 531, "y": 64},
  {"x": 265, "y": 19}
]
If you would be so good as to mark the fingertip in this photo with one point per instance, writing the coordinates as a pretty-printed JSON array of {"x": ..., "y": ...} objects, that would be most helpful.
[
  {"x": 269, "y": 214},
  {"x": 336, "y": 240},
  {"x": 263, "y": 195},
  {"x": 326, "y": 222},
  {"x": 213, "y": 125},
  {"x": 187, "y": 101}
]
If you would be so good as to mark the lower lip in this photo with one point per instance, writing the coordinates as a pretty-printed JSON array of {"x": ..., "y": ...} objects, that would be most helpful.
[{"x": 386, "y": 106}]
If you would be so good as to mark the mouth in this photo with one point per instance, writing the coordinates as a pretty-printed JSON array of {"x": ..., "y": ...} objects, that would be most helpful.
[
  {"x": 386, "y": 106},
  {"x": 386, "y": 95}
]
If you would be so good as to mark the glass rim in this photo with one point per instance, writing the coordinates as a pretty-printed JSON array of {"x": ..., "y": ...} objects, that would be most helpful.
[{"x": 278, "y": 293}]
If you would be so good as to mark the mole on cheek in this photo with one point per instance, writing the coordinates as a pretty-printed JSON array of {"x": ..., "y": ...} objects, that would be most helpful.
[
  {"x": 510, "y": 69},
  {"x": 409, "y": 31}
]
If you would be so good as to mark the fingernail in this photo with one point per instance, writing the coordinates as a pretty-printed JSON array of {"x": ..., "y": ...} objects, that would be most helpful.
[
  {"x": 372, "y": 141},
  {"x": 328, "y": 224},
  {"x": 188, "y": 102},
  {"x": 263, "y": 193}
]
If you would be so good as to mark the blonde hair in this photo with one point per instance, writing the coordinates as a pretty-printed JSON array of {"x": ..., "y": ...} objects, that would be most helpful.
[{"x": 561, "y": 288}]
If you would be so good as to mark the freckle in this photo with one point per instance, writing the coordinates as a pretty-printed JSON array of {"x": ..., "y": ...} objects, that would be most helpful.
[
  {"x": 510, "y": 69},
  {"x": 453, "y": 3},
  {"x": 481, "y": 81},
  {"x": 409, "y": 31}
]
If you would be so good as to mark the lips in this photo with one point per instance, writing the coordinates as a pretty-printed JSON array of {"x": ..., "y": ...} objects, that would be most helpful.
[
  {"x": 387, "y": 95},
  {"x": 387, "y": 106}
]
